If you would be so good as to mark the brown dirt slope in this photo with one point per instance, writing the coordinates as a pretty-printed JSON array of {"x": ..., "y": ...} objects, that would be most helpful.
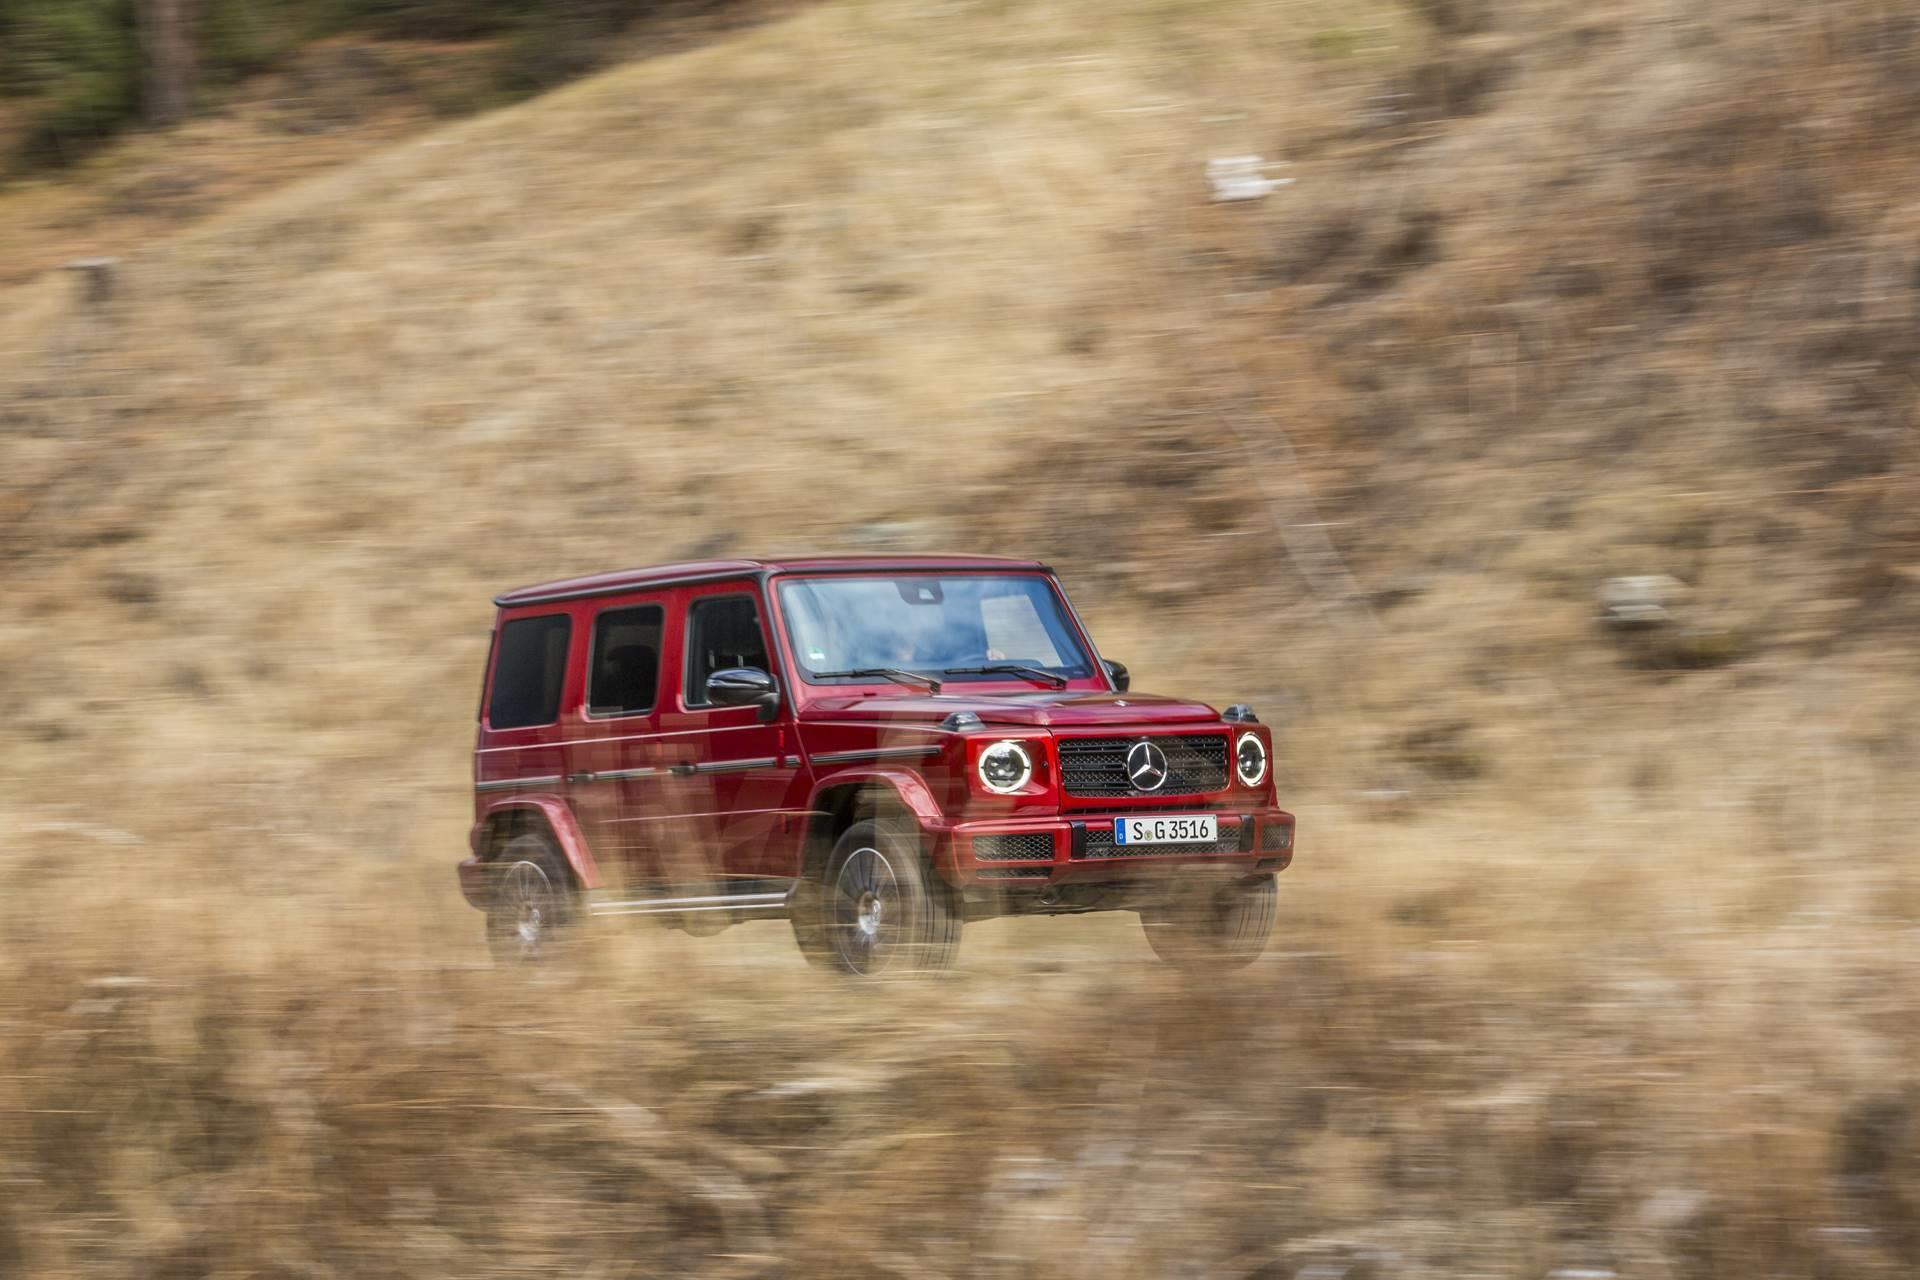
[{"x": 1597, "y": 958}]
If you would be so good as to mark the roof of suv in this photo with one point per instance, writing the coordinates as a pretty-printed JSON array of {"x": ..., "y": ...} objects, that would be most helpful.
[{"x": 666, "y": 575}]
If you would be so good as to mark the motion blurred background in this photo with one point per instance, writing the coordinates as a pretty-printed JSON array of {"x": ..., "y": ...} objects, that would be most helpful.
[{"x": 1599, "y": 957}]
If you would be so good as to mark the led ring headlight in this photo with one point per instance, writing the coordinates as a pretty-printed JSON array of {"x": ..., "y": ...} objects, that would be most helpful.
[
  {"x": 1250, "y": 759},
  {"x": 1005, "y": 767}
]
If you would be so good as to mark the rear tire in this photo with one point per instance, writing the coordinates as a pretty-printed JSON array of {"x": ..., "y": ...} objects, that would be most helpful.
[
  {"x": 1215, "y": 928},
  {"x": 534, "y": 905},
  {"x": 879, "y": 908},
  {"x": 807, "y": 911}
]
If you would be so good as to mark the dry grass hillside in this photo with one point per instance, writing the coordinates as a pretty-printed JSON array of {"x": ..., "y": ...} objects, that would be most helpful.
[
  {"x": 332, "y": 101},
  {"x": 1599, "y": 958}
]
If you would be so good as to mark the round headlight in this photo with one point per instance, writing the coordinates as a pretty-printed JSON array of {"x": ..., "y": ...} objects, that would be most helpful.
[
  {"x": 1005, "y": 767},
  {"x": 1250, "y": 759}
]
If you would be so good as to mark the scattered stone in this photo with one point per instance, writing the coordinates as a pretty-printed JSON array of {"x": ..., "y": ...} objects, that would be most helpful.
[
  {"x": 1383, "y": 109},
  {"x": 1345, "y": 1260},
  {"x": 1672, "y": 1208},
  {"x": 1241, "y": 178},
  {"x": 1652, "y": 617},
  {"x": 1387, "y": 800},
  {"x": 1026, "y": 1175},
  {"x": 96, "y": 277},
  {"x": 891, "y": 535},
  {"x": 813, "y": 1086},
  {"x": 119, "y": 982},
  {"x": 1640, "y": 601}
]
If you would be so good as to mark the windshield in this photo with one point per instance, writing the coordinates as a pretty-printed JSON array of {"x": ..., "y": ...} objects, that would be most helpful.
[{"x": 930, "y": 624}]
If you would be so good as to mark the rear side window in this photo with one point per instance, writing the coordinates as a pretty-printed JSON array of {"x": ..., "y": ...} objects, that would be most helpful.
[
  {"x": 722, "y": 631},
  {"x": 528, "y": 675},
  {"x": 626, "y": 660}
]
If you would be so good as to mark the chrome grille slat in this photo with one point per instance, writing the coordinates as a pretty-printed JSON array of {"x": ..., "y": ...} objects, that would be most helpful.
[{"x": 1097, "y": 767}]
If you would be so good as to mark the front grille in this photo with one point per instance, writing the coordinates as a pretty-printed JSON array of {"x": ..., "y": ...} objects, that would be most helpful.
[
  {"x": 1100, "y": 845},
  {"x": 1276, "y": 835},
  {"x": 1024, "y": 846},
  {"x": 1014, "y": 873},
  {"x": 1196, "y": 762}
]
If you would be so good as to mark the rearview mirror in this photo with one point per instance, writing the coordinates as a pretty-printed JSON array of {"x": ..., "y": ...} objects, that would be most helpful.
[
  {"x": 744, "y": 687},
  {"x": 1117, "y": 673}
]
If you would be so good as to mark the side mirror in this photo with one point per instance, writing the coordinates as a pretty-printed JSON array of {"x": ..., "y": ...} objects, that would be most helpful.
[
  {"x": 1117, "y": 673},
  {"x": 744, "y": 687}
]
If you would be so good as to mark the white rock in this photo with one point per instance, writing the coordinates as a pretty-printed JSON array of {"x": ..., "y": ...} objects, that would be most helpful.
[
  {"x": 1242, "y": 178},
  {"x": 1640, "y": 600}
]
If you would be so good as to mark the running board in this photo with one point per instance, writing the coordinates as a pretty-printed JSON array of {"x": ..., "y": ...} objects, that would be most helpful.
[{"x": 678, "y": 906}]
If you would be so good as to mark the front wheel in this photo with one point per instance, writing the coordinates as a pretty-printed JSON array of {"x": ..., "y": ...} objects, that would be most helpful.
[
  {"x": 1213, "y": 927},
  {"x": 879, "y": 907},
  {"x": 533, "y": 904}
]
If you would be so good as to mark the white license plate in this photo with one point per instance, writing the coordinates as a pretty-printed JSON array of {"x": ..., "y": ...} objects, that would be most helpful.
[{"x": 1189, "y": 828}]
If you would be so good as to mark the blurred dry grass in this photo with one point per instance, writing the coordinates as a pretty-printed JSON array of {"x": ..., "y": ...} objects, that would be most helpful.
[{"x": 1593, "y": 960}]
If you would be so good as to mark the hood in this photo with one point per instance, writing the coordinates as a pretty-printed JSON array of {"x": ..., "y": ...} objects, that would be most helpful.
[{"x": 1075, "y": 709}]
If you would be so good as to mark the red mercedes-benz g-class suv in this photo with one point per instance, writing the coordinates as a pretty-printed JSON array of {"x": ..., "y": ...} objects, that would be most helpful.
[{"x": 878, "y": 748}]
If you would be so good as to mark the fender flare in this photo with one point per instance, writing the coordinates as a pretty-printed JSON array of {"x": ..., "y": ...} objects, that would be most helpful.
[
  {"x": 559, "y": 821},
  {"x": 909, "y": 788}
]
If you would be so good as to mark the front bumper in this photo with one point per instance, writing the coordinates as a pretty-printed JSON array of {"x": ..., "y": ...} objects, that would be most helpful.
[{"x": 1080, "y": 847}]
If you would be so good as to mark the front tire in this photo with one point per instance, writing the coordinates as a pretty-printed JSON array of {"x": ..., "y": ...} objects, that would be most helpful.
[
  {"x": 880, "y": 908},
  {"x": 1218, "y": 927},
  {"x": 534, "y": 904}
]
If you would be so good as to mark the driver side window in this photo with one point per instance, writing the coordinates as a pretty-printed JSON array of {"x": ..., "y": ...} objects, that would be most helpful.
[{"x": 722, "y": 632}]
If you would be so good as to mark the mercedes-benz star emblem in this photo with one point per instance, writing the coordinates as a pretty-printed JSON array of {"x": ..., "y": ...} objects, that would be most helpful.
[{"x": 1146, "y": 766}]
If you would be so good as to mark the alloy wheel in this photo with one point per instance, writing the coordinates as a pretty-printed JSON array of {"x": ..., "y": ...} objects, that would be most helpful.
[
  {"x": 527, "y": 908},
  {"x": 869, "y": 911}
]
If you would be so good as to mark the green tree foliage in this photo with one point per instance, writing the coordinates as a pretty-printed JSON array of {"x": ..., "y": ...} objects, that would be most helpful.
[
  {"x": 436, "y": 19},
  {"x": 72, "y": 68},
  {"x": 76, "y": 65},
  {"x": 241, "y": 37}
]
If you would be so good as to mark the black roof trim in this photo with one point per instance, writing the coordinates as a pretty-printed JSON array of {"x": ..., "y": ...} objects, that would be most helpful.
[
  {"x": 932, "y": 564},
  {"x": 761, "y": 575},
  {"x": 627, "y": 588}
]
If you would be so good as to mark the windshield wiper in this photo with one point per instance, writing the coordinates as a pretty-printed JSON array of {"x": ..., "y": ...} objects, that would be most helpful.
[
  {"x": 1011, "y": 669},
  {"x": 894, "y": 674}
]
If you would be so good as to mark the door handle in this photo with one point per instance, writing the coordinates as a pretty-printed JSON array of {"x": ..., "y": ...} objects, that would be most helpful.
[
  {"x": 579, "y": 779},
  {"x": 682, "y": 770}
]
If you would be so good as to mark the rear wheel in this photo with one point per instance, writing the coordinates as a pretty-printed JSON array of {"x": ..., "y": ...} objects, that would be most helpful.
[
  {"x": 879, "y": 908},
  {"x": 533, "y": 905},
  {"x": 1213, "y": 926}
]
